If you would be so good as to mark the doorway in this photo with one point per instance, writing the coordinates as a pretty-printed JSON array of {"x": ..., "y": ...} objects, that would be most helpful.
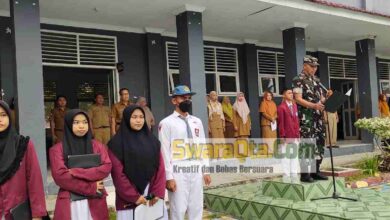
[
  {"x": 79, "y": 85},
  {"x": 348, "y": 112}
]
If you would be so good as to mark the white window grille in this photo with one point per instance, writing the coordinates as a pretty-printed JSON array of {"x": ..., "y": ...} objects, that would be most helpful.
[
  {"x": 221, "y": 68},
  {"x": 342, "y": 68},
  {"x": 61, "y": 48},
  {"x": 271, "y": 70}
]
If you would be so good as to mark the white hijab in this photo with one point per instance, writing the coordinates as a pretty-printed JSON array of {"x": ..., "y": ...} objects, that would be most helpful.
[{"x": 241, "y": 107}]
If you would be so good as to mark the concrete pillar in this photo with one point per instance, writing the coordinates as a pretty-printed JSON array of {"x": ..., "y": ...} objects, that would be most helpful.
[
  {"x": 156, "y": 83},
  {"x": 191, "y": 60},
  {"x": 29, "y": 78},
  {"x": 252, "y": 91},
  {"x": 323, "y": 69},
  {"x": 367, "y": 81},
  {"x": 294, "y": 49},
  {"x": 7, "y": 58}
]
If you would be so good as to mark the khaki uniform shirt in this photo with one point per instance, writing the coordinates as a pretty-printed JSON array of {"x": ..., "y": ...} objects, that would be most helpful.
[
  {"x": 117, "y": 110},
  {"x": 100, "y": 116},
  {"x": 58, "y": 116}
]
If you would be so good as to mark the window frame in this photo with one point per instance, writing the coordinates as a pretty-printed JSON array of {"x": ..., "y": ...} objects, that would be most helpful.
[
  {"x": 217, "y": 73},
  {"x": 276, "y": 76}
]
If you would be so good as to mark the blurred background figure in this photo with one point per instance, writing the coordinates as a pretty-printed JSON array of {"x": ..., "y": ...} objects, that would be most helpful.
[
  {"x": 383, "y": 106},
  {"x": 216, "y": 117},
  {"x": 149, "y": 118},
  {"x": 57, "y": 118},
  {"x": 100, "y": 116},
  {"x": 269, "y": 115},
  {"x": 227, "y": 109},
  {"x": 241, "y": 117}
]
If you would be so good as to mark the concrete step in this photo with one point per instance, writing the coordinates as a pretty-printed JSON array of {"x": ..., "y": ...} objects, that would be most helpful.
[{"x": 350, "y": 149}]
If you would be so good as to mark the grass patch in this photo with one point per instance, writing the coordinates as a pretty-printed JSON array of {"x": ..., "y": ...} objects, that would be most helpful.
[{"x": 369, "y": 165}]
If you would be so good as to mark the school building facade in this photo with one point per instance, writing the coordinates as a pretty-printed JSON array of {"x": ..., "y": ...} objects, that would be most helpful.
[{"x": 79, "y": 48}]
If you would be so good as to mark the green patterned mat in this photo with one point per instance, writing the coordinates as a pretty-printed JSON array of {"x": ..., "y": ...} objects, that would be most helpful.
[
  {"x": 301, "y": 191},
  {"x": 248, "y": 202}
]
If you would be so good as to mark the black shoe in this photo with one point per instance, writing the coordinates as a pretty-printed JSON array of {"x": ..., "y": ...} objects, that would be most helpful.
[
  {"x": 306, "y": 178},
  {"x": 318, "y": 176}
]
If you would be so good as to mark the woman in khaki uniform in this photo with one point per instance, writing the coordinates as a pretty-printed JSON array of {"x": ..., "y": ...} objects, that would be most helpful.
[
  {"x": 269, "y": 113},
  {"x": 228, "y": 114},
  {"x": 241, "y": 117},
  {"x": 216, "y": 117},
  {"x": 383, "y": 106}
]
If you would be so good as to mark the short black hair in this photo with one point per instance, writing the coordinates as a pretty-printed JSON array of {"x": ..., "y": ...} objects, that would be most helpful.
[
  {"x": 97, "y": 94},
  {"x": 123, "y": 89},
  {"x": 286, "y": 89},
  {"x": 60, "y": 96}
]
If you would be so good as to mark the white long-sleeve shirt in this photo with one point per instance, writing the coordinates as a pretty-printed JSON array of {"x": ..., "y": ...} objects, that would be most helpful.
[{"x": 174, "y": 128}]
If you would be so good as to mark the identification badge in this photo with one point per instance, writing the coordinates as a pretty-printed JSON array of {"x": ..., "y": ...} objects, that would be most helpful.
[{"x": 197, "y": 132}]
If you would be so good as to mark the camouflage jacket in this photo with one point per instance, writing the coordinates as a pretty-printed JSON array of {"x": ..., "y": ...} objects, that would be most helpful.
[{"x": 311, "y": 91}]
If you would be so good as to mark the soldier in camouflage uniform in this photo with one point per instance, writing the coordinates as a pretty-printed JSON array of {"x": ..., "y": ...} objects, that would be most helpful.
[{"x": 310, "y": 98}]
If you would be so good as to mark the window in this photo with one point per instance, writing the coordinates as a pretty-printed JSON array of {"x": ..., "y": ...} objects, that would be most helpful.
[
  {"x": 342, "y": 68},
  {"x": 384, "y": 77},
  {"x": 221, "y": 68},
  {"x": 385, "y": 87},
  {"x": 78, "y": 49},
  {"x": 271, "y": 71}
]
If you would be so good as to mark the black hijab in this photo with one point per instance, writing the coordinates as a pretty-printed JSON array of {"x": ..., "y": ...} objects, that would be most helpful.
[
  {"x": 12, "y": 148},
  {"x": 72, "y": 144},
  {"x": 139, "y": 151}
]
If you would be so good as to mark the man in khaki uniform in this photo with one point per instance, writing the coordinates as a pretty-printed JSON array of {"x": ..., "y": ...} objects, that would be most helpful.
[
  {"x": 100, "y": 116},
  {"x": 57, "y": 119},
  {"x": 117, "y": 110}
]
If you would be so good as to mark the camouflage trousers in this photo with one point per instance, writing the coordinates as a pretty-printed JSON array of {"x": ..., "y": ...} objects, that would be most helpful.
[{"x": 312, "y": 129}]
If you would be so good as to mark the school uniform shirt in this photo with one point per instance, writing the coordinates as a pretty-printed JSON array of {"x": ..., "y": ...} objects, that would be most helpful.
[
  {"x": 80, "y": 181},
  {"x": 288, "y": 120},
  {"x": 25, "y": 184},
  {"x": 189, "y": 194},
  {"x": 174, "y": 128}
]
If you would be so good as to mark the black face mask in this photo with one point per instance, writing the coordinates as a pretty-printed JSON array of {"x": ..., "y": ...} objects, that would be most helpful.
[{"x": 185, "y": 106}]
